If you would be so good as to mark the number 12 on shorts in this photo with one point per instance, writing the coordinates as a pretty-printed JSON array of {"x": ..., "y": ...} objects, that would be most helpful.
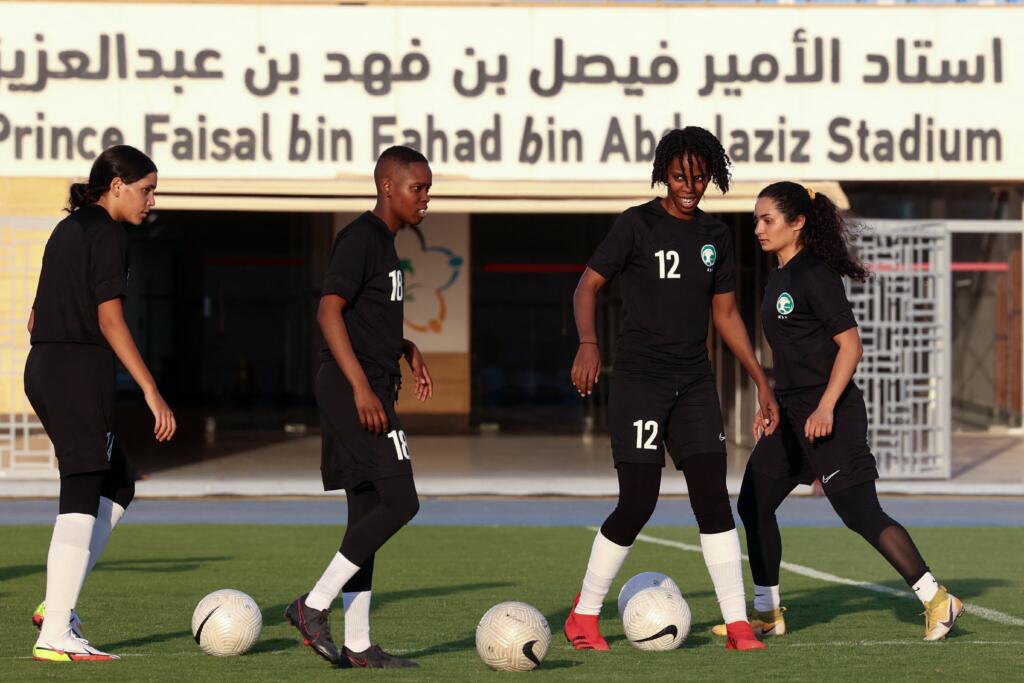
[
  {"x": 643, "y": 426},
  {"x": 401, "y": 445}
]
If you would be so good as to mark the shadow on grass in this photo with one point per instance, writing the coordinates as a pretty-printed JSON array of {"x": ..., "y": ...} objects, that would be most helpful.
[
  {"x": 148, "y": 566},
  {"x": 821, "y": 605},
  {"x": 275, "y": 645},
  {"x": 274, "y": 614},
  {"x": 147, "y": 640}
]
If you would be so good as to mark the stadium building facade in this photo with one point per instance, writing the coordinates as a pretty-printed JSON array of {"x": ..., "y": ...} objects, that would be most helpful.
[{"x": 540, "y": 122}]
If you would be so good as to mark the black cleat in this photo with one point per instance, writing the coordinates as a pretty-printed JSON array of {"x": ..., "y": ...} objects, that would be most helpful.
[
  {"x": 315, "y": 627},
  {"x": 375, "y": 658}
]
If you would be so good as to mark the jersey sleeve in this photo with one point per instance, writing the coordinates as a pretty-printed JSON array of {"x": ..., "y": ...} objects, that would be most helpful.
[
  {"x": 613, "y": 253},
  {"x": 350, "y": 264},
  {"x": 108, "y": 263},
  {"x": 826, "y": 296},
  {"x": 725, "y": 266}
]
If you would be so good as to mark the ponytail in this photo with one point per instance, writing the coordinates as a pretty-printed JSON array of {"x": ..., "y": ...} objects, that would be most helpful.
[{"x": 826, "y": 232}]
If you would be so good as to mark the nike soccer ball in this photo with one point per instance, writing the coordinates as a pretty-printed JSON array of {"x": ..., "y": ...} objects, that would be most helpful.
[
  {"x": 226, "y": 622},
  {"x": 513, "y": 636},
  {"x": 640, "y": 582},
  {"x": 656, "y": 619}
]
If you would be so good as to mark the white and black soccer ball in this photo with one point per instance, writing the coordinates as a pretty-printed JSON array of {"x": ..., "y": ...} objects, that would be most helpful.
[
  {"x": 642, "y": 581},
  {"x": 226, "y": 622},
  {"x": 513, "y": 636},
  {"x": 656, "y": 619}
]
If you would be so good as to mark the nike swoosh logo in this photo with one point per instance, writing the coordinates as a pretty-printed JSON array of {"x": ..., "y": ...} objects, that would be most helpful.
[
  {"x": 721, "y": 437},
  {"x": 199, "y": 631},
  {"x": 950, "y": 619},
  {"x": 669, "y": 630},
  {"x": 528, "y": 652},
  {"x": 825, "y": 480}
]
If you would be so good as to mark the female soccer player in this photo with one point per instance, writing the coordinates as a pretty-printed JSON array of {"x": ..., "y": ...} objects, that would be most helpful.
[
  {"x": 365, "y": 450},
  {"x": 809, "y": 324},
  {"x": 676, "y": 265},
  {"x": 77, "y": 326}
]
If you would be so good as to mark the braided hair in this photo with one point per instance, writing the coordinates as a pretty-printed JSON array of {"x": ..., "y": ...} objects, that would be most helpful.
[
  {"x": 701, "y": 145},
  {"x": 826, "y": 233}
]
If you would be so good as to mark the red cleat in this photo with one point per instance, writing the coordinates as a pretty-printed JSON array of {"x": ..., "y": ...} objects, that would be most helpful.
[
  {"x": 581, "y": 630},
  {"x": 741, "y": 637}
]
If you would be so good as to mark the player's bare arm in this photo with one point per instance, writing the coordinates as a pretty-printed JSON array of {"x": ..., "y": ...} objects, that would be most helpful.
[
  {"x": 371, "y": 413},
  {"x": 819, "y": 424},
  {"x": 586, "y": 368},
  {"x": 424, "y": 384},
  {"x": 730, "y": 325}
]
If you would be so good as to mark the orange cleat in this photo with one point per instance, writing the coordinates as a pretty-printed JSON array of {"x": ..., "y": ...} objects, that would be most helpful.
[{"x": 581, "y": 630}]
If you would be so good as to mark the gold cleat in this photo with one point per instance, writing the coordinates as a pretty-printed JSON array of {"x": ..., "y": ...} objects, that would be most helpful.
[{"x": 940, "y": 613}]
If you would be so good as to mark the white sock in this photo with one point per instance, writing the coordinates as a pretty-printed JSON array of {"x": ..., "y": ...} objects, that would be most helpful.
[
  {"x": 110, "y": 513},
  {"x": 66, "y": 565},
  {"x": 606, "y": 560},
  {"x": 766, "y": 598},
  {"x": 357, "y": 620},
  {"x": 339, "y": 571},
  {"x": 926, "y": 588},
  {"x": 724, "y": 562}
]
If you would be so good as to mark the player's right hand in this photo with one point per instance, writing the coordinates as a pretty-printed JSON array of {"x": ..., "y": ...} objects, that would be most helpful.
[
  {"x": 586, "y": 369},
  {"x": 164, "y": 424},
  {"x": 371, "y": 412}
]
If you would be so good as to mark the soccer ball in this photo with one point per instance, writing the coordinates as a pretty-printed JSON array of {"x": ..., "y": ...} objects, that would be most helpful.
[
  {"x": 226, "y": 622},
  {"x": 656, "y": 619},
  {"x": 640, "y": 582},
  {"x": 513, "y": 636}
]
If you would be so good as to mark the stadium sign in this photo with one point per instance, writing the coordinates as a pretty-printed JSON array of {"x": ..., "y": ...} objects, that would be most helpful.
[{"x": 517, "y": 93}]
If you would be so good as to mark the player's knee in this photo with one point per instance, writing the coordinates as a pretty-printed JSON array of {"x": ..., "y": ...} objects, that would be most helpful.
[
  {"x": 713, "y": 513},
  {"x": 715, "y": 521},
  {"x": 407, "y": 508},
  {"x": 628, "y": 519},
  {"x": 125, "y": 494},
  {"x": 747, "y": 508}
]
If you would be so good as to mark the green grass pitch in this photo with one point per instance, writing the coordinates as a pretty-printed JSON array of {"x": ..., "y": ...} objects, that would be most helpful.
[{"x": 434, "y": 583}]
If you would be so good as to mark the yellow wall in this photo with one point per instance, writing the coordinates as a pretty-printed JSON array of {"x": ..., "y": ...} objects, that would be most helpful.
[{"x": 29, "y": 208}]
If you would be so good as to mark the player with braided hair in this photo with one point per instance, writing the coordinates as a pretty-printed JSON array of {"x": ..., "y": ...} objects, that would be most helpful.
[{"x": 676, "y": 267}]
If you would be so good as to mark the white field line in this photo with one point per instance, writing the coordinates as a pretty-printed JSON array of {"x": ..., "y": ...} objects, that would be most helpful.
[{"x": 976, "y": 610}]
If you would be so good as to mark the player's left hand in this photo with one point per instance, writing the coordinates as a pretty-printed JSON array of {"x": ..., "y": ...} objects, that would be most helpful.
[
  {"x": 819, "y": 424},
  {"x": 766, "y": 421},
  {"x": 424, "y": 385}
]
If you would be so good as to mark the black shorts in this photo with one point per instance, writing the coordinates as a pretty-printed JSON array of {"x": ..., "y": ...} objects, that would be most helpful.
[
  {"x": 840, "y": 460},
  {"x": 350, "y": 454},
  {"x": 71, "y": 390},
  {"x": 647, "y": 413}
]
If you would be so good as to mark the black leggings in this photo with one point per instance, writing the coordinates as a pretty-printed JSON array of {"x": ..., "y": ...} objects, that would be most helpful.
[
  {"x": 857, "y": 506},
  {"x": 376, "y": 511},
  {"x": 80, "y": 493},
  {"x": 640, "y": 483}
]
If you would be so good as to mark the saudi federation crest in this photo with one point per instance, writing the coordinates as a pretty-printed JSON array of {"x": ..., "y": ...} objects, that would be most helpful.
[
  {"x": 708, "y": 254},
  {"x": 784, "y": 304}
]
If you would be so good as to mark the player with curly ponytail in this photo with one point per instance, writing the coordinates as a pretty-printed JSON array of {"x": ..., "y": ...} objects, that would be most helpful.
[
  {"x": 809, "y": 323},
  {"x": 77, "y": 326}
]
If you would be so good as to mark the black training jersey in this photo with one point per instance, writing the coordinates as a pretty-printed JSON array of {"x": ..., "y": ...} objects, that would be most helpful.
[
  {"x": 84, "y": 264},
  {"x": 365, "y": 271},
  {"x": 804, "y": 307},
  {"x": 670, "y": 269}
]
